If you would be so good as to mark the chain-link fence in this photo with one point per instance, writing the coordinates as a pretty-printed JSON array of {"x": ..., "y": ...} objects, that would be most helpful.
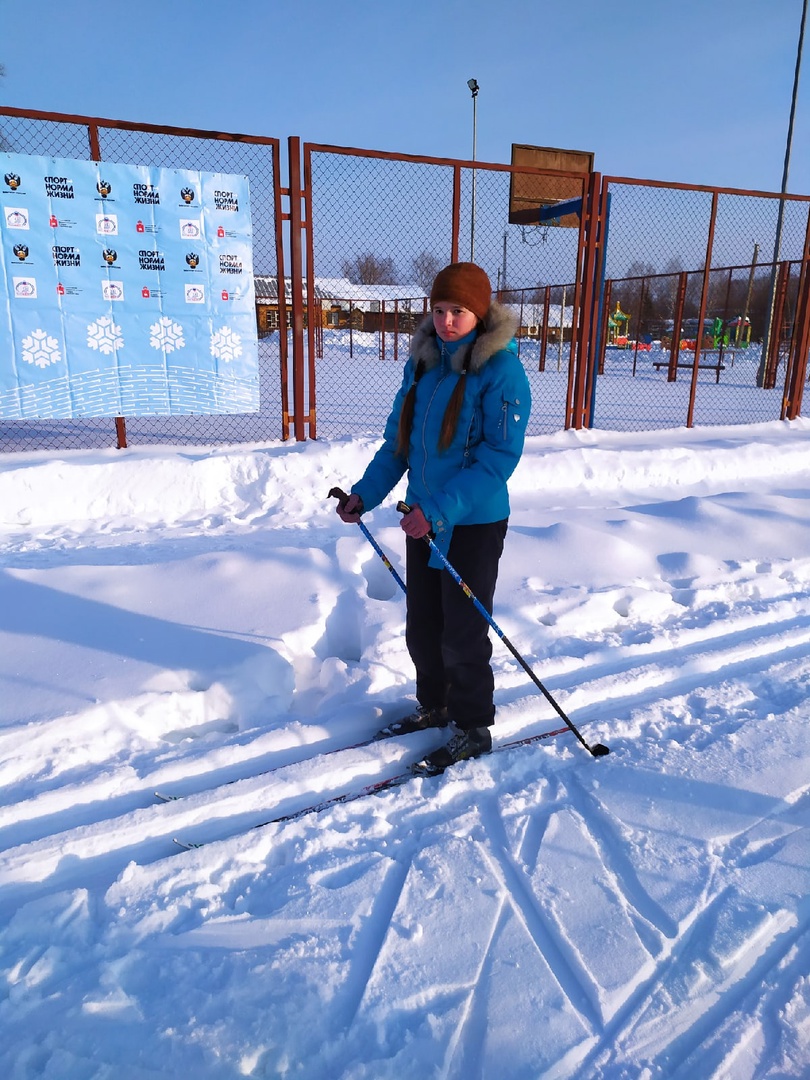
[
  {"x": 615, "y": 303},
  {"x": 695, "y": 271},
  {"x": 385, "y": 225},
  {"x": 378, "y": 220}
]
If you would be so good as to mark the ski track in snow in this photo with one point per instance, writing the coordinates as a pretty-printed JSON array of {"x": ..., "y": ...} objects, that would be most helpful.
[{"x": 427, "y": 902}]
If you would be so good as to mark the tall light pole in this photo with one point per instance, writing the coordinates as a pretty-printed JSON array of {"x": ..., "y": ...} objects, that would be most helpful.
[
  {"x": 777, "y": 247},
  {"x": 473, "y": 85}
]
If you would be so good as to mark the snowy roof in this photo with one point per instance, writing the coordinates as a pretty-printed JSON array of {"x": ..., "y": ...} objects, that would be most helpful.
[
  {"x": 532, "y": 314},
  {"x": 341, "y": 289}
]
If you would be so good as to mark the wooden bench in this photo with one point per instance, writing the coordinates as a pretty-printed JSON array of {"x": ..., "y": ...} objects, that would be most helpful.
[{"x": 717, "y": 368}]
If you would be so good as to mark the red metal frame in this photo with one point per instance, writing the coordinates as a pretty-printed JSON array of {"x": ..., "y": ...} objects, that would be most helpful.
[
  {"x": 456, "y": 166},
  {"x": 586, "y": 305},
  {"x": 704, "y": 300},
  {"x": 775, "y": 339},
  {"x": 796, "y": 373},
  {"x": 297, "y": 285}
]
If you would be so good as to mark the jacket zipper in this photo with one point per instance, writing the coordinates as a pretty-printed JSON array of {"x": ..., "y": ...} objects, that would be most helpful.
[{"x": 424, "y": 425}]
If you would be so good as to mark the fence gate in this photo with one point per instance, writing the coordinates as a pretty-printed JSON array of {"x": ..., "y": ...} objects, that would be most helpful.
[{"x": 376, "y": 228}]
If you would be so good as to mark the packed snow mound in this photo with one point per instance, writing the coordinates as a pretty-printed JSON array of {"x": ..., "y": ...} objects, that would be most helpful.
[{"x": 199, "y": 623}]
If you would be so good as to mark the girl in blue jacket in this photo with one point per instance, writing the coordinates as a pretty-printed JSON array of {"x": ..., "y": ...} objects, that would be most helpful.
[{"x": 457, "y": 426}]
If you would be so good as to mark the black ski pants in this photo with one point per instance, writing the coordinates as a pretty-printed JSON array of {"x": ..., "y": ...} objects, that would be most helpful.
[{"x": 447, "y": 637}]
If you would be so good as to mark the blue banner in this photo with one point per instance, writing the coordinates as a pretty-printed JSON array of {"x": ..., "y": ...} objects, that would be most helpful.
[{"x": 125, "y": 290}]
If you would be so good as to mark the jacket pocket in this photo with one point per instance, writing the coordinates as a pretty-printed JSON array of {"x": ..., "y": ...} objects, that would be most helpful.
[{"x": 511, "y": 417}]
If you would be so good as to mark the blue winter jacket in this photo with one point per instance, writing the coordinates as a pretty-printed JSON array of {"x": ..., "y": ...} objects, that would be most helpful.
[{"x": 466, "y": 483}]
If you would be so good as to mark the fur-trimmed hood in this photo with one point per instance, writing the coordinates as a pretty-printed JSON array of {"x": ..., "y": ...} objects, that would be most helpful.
[{"x": 500, "y": 326}]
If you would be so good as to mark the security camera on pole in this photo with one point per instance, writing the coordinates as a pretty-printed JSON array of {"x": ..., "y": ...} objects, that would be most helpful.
[{"x": 473, "y": 85}]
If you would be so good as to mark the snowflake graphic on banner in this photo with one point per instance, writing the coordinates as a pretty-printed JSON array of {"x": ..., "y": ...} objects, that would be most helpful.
[
  {"x": 226, "y": 344},
  {"x": 40, "y": 349},
  {"x": 166, "y": 335},
  {"x": 104, "y": 335}
]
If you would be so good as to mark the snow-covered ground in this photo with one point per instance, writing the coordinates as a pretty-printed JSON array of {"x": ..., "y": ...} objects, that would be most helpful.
[{"x": 200, "y": 623}]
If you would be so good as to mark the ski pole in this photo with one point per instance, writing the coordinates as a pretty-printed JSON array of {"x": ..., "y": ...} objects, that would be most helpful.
[
  {"x": 599, "y": 749},
  {"x": 341, "y": 496}
]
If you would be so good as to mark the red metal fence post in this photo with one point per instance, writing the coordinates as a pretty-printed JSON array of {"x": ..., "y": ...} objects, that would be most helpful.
[
  {"x": 800, "y": 342},
  {"x": 775, "y": 335},
  {"x": 586, "y": 303},
  {"x": 575, "y": 364},
  {"x": 281, "y": 297},
  {"x": 314, "y": 308},
  {"x": 296, "y": 285},
  {"x": 704, "y": 299},
  {"x": 675, "y": 344}
]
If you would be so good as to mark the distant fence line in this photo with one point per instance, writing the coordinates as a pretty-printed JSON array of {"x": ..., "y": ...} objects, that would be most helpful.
[{"x": 647, "y": 313}]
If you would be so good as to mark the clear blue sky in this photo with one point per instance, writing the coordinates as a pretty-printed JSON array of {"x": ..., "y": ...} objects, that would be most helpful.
[{"x": 686, "y": 90}]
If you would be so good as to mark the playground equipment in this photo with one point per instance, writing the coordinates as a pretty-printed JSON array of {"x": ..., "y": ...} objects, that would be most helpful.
[
  {"x": 717, "y": 333},
  {"x": 618, "y": 329},
  {"x": 738, "y": 331},
  {"x": 618, "y": 333}
]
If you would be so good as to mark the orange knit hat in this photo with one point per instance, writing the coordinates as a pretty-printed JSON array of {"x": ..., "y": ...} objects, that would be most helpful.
[{"x": 463, "y": 283}]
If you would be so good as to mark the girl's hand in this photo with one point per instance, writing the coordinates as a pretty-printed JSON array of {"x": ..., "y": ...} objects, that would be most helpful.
[
  {"x": 350, "y": 510},
  {"x": 415, "y": 524}
]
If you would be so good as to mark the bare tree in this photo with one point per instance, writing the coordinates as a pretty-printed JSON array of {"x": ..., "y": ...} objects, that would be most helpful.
[
  {"x": 369, "y": 269},
  {"x": 537, "y": 295},
  {"x": 424, "y": 268}
]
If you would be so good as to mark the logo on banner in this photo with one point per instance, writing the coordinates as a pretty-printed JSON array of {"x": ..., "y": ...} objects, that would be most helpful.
[
  {"x": 226, "y": 200},
  {"x": 103, "y": 187},
  {"x": 190, "y": 229},
  {"x": 16, "y": 217},
  {"x": 40, "y": 349},
  {"x": 66, "y": 255},
  {"x": 187, "y": 195},
  {"x": 12, "y": 180},
  {"x": 193, "y": 260},
  {"x": 21, "y": 251},
  {"x": 167, "y": 335},
  {"x": 25, "y": 288},
  {"x": 146, "y": 193},
  {"x": 59, "y": 187},
  {"x": 104, "y": 336},
  {"x": 230, "y": 264},
  {"x": 112, "y": 290},
  {"x": 109, "y": 255},
  {"x": 195, "y": 294},
  {"x": 151, "y": 260},
  {"x": 107, "y": 224},
  {"x": 226, "y": 344}
]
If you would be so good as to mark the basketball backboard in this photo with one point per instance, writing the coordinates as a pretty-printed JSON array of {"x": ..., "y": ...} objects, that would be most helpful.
[{"x": 529, "y": 191}]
